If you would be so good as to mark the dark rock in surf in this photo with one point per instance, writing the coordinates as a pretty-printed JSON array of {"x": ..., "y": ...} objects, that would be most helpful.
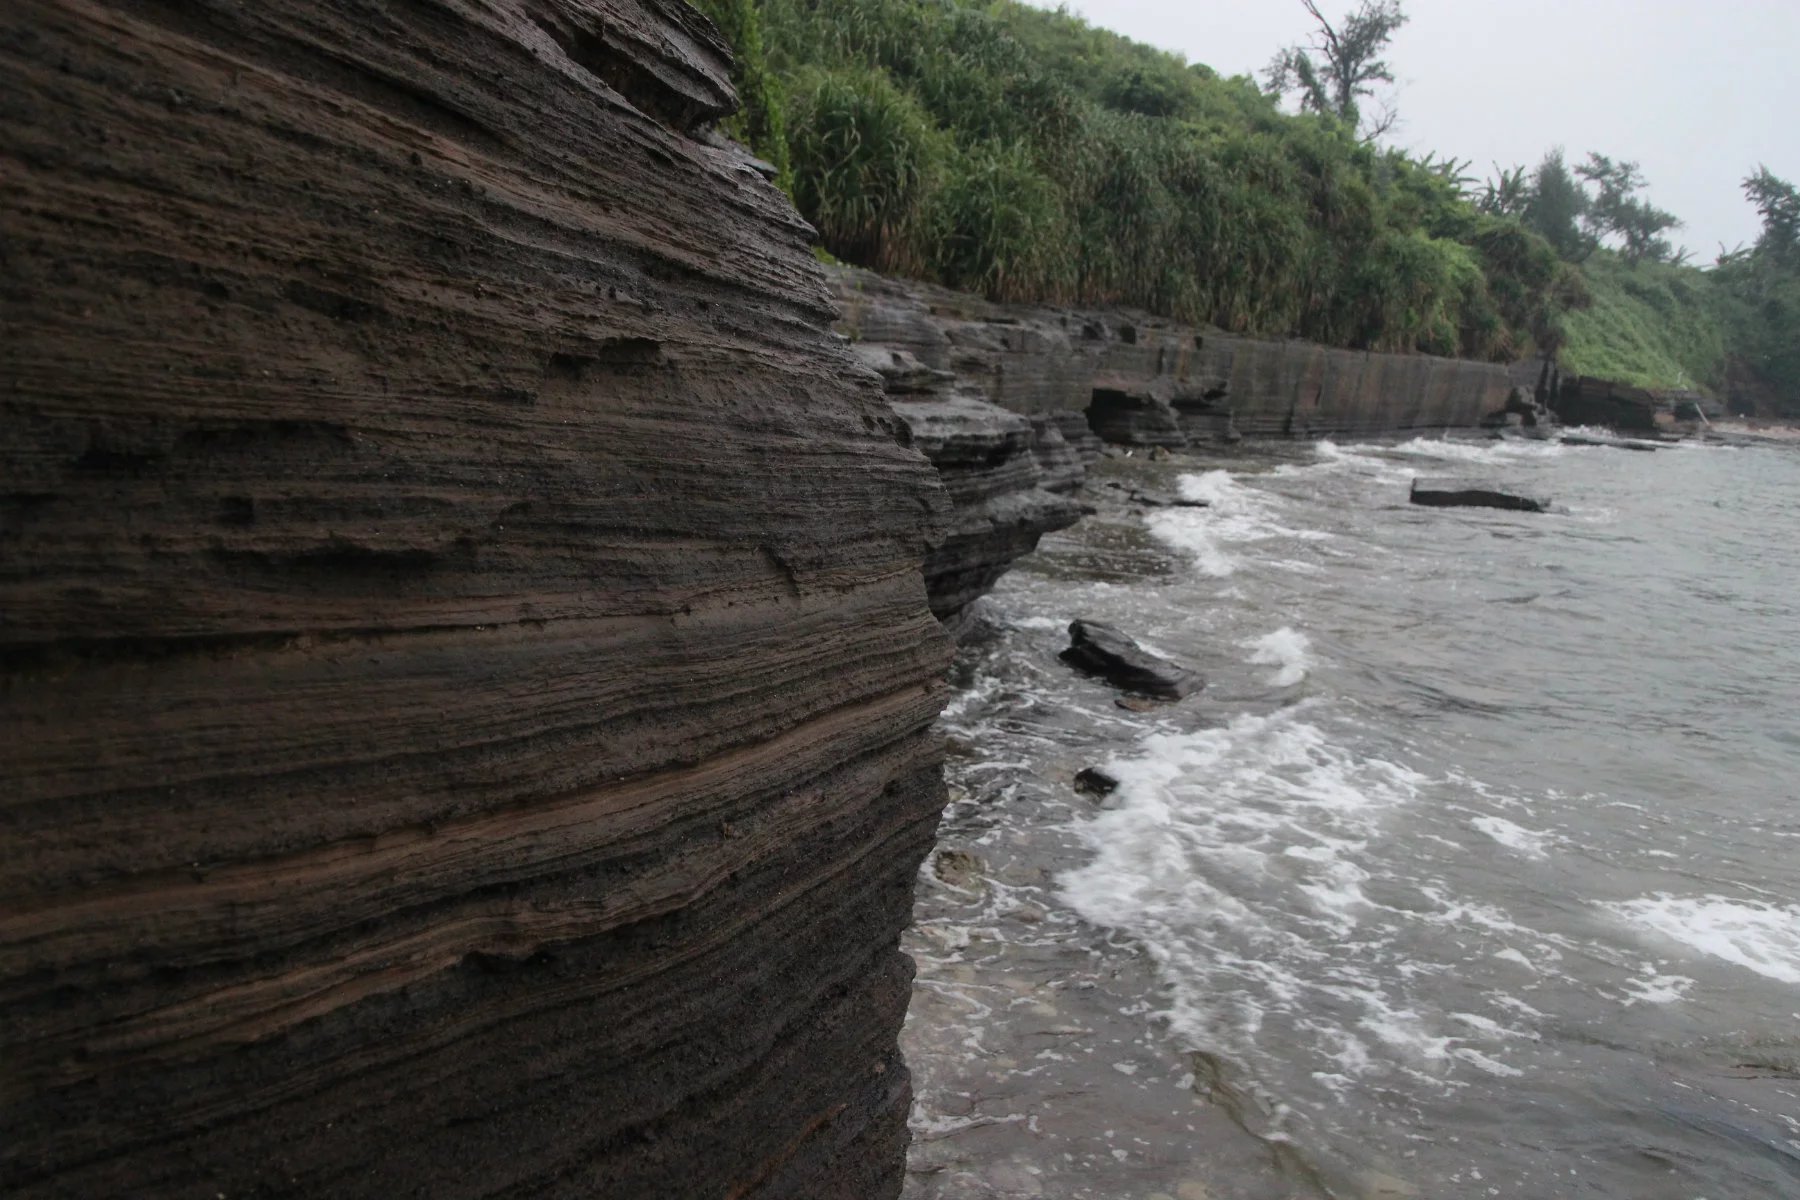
[
  {"x": 1474, "y": 498},
  {"x": 1092, "y": 781},
  {"x": 1101, "y": 650},
  {"x": 959, "y": 869}
]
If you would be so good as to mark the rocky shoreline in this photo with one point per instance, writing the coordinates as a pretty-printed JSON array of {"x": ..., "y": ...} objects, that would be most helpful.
[
  {"x": 470, "y": 682},
  {"x": 1013, "y": 403}
]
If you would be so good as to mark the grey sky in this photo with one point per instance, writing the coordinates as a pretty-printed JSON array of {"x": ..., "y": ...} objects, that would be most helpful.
[{"x": 1698, "y": 92}]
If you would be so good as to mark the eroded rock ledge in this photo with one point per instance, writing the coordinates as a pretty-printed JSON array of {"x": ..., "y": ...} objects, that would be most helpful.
[
  {"x": 1145, "y": 381},
  {"x": 1011, "y": 402},
  {"x": 467, "y": 680}
]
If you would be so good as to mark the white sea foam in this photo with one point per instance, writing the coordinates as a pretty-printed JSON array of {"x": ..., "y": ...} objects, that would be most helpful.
[
  {"x": 1233, "y": 855},
  {"x": 1235, "y": 515},
  {"x": 1764, "y": 938},
  {"x": 1529, "y": 842},
  {"x": 1656, "y": 989},
  {"x": 1290, "y": 653},
  {"x": 1479, "y": 452}
]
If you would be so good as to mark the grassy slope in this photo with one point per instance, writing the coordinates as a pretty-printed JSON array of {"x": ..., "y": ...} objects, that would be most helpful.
[
  {"x": 1007, "y": 149},
  {"x": 1652, "y": 325}
]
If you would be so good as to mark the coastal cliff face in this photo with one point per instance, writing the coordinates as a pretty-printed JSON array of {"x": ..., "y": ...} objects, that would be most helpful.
[
  {"x": 1011, "y": 402},
  {"x": 1143, "y": 380},
  {"x": 467, "y": 677},
  {"x": 1007, "y": 475}
]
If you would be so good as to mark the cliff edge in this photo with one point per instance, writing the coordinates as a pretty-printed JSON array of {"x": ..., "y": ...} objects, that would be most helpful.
[{"x": 467, "y": 676}]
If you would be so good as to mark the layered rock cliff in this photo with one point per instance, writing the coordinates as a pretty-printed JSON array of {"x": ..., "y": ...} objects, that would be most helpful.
[
  {"x": 1007, "y": 474},
  {"x": 467, "y": 677},
  {"x": 1010, "y": 400}
]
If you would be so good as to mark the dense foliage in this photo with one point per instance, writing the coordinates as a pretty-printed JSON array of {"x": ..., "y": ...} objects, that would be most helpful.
[
  {"x": 1023, "y": 153},
  {"x": 997, "y": 147},
  {"x": 1654, "y": 325},
  {"x": 1761, "y": 287},
  {"x": 1653, "y": 320}
]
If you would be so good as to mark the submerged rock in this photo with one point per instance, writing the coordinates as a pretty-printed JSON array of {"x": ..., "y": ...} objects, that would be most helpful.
[
  {"x": 959, "y": 869},
  {"x": 1102, "y": 650},
  {"x": 1092, "y": 781},
  {"x": 1473, "y": 498}
]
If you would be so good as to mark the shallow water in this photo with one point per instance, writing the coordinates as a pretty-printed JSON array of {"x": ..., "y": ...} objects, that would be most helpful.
[{"x": 1475, "y": 871}]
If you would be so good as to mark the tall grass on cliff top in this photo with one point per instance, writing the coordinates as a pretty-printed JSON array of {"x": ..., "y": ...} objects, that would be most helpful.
[
  {"x": 1653, "y": 324},
  {"x": 1001, "y": 148}
]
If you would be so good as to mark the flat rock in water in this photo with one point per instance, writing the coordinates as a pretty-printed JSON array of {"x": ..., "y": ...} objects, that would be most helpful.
[
  {"x": 1101, "y": 650},
  {"x": 1474, "y": 498}
]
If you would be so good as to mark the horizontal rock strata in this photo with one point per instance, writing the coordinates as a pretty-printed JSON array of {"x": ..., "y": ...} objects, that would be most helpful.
[
  {"x": 1006, "y": 474},
  {"x": 1147, "y": 381},
  {"x": 1587, "y": 400},
  {"x": 467, "y": 677}
]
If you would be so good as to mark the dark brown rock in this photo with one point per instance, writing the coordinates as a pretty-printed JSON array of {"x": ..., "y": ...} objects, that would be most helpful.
[
  {"x": 1099, "y": 649},
  {"x": 1146, "y": 381},
  {"x": 467, "y": 679},
  {"x": 1473, "y": 498},
  {"x": 962, "y": 371},
  {"x": 1092, "y": 781},
  {"x": 1586, "y": 400},
  {"x": 1007, "y": 476},
  {"x": 1642, "y": 447}
]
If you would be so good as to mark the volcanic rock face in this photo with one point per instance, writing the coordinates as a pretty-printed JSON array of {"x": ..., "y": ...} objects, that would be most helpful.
[
  {"x": 1006, "y": 475},
  {"x": 467, "y": 678},
  {"x": 1586, "y": 400},
  {"x": 1146, "y": 381}
]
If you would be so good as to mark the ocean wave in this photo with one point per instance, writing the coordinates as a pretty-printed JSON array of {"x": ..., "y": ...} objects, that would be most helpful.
[
  {"x": 1509, "y": 450},
  {"x": 1529, "y": 842},
  {"x": 1764, "y": 938},
  {"x": 1290, "y": 653},
  {"x": 1236, "y": 515}
]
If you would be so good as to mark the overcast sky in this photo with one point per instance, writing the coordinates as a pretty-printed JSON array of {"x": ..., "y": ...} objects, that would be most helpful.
[{"x": 1698, "y": 92}]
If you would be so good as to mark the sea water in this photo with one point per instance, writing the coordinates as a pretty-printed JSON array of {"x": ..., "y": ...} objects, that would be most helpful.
[{"x": 1475, "y": 870}]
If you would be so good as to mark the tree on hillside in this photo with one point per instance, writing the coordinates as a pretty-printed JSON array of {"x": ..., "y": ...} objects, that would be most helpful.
[
  {"x": 1507, "y": 194},
  {"x": 1765, "y": 280},
  {"x": 1616, "y": 209},
  {"x": 1778, "y": 203},
  {"x": 1341, "y": 65},
  {"x": 1556, "y": 206}
]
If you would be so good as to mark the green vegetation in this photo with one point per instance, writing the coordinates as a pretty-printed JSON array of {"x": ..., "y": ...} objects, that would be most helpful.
[
  {"x": 1654, "y": 320},
  {"x": 1340, "y": 67},
  {"x": 1761, "y": 286},
  {"x": 1655, "y": 325},
  {"x": 997, "y": 147}
]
